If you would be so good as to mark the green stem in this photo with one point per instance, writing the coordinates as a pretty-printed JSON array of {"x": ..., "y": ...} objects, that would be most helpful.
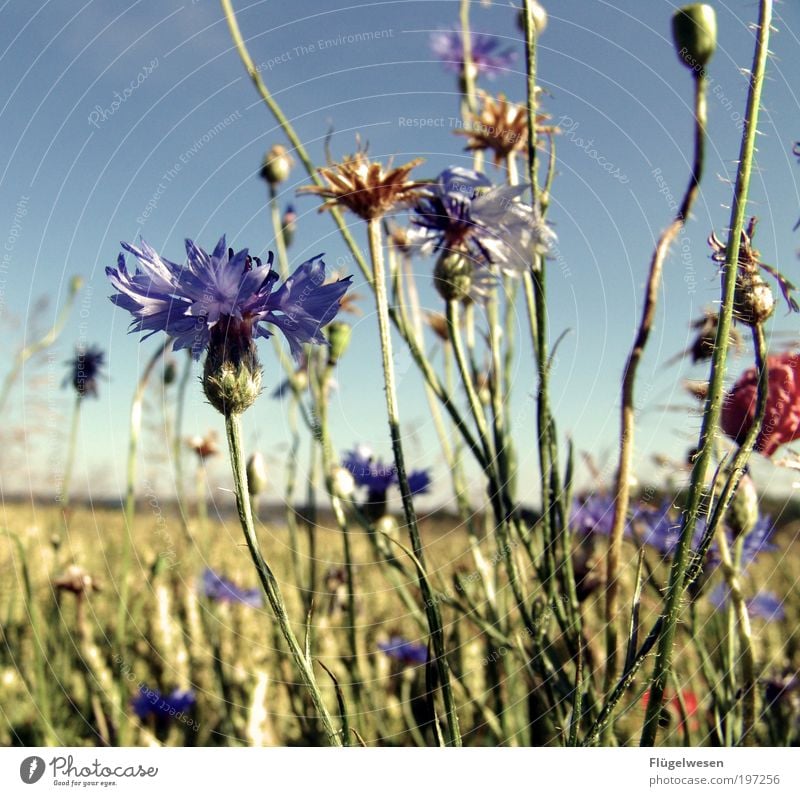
[
  {"x": 135, "y": 428},
  {"x": 713, "y": 406},
  {"x": 393, "y": 412},
  {"x": 628, "y": 409},
  {"x": 177, "y": 445},
  {"x": 277, "y": 228},
  {"x": 269, "y": 583},
  {"x": 71, "y": 447},
  {"x": 417, "y": 354},
  {"x": 39, "y": 345}
]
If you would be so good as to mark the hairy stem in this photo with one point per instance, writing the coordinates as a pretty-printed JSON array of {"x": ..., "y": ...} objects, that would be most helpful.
[{"x": 713, "y": 406}]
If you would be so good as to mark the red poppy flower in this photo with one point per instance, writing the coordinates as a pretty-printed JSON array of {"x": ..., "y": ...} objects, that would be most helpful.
[{"x": 782, "y": 420}]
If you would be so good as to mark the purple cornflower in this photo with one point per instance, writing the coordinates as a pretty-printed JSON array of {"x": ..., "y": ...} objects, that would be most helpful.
[
  {"x": 85, "y": 368},
  {"x": 151, "y": 702},
  {"x": 218, "y": 588},
  {"x": 763, "y": 605},
  {"x": 377, "y": 477},
  {"x": 463, "y": 212},
  {"x": 758, "y": 541},
  {"x": 232, "y": 294},
  {"x": 594, "y": 515},
  {"x": 659, "y": 528},
  {"x": 488, "y": 56},
  {"x": 408, "y": 653}
]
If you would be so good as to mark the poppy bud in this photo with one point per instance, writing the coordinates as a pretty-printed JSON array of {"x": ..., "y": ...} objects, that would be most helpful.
[
  {"x": 539, "y": 18},
  {"x": 256, "y": 474},
  {"x": 338, "y": 334},
  {"x": 289, "y": 225},
  {"x": 344, "y": 485},
  {"x": 694, "y": 31},
  {"x": 170, "y": 372},
  {"x": 276, "y": 165},
  {"x": 452, "y": 276},
  {"x": 742, "y": 514}
]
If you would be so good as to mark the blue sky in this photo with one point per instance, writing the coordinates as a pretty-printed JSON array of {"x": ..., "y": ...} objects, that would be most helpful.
[{"x": 179, "y": 158}]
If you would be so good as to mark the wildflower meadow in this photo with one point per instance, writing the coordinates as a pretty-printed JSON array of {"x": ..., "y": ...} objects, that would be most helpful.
[{"x": 400, "y": 375}]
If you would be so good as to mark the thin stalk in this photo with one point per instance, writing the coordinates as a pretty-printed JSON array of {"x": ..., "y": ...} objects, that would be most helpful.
[
  {"x": 417, "y": 354},
  {"x": 628, "y": 409},
  {"x": 41, "y": 344},
  {"x": 177, "y": 443},
  {"x": 696, "y": 565},
  {"x": 713, "y": 406},
  {"x": 269, "y": 583},
  {"x": 71, "y": 446},
  {"x": 393, "y": 412},
  {"x": 277, "y": 228},
  {"x": 322, "y": 393},
  {"x": 731, "y": 569}
]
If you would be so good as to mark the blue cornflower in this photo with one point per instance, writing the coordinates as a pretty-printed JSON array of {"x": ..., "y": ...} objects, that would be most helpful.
[
  {"x": 218, "y": 588},
  {"x": 593, "y": 515},
  {"x": 488, "y": 56},
  {"x": 758, "y": 541},
  {"x": 84, "y": 369},
  {"x": 764, "y": 605},
  {"x": 151, "y": 702},
  {"x": 377, "y": 477},
  {"x": 463, "y": 212},
  {"x": 408, "y": 653},
  {"x": 233, "y": 294}
]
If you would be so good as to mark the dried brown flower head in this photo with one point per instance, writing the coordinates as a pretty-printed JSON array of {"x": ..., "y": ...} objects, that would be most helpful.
[
  {"x": 502, "y": 127},
  {"x": 205, "y": 446},
  {"x": 365, "y": 187},
  {"x": 753, "y": 300},
  {"x": 76, "y": 580},
  {"x": 702, "y": 347},
  {"x": 438, "y": 325}
]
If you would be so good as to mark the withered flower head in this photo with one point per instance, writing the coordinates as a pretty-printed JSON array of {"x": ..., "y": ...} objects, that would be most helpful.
[
  {"x": 76, "y": 580},
  {"x": 753, "y": 300},
  {"x": 502, "y": 127},
  {"x": 365, "y": 187},
  {"x": 438, "y": 325},
  {"x": 702, "y": 346},
  {"x": 205, "y": 446}
]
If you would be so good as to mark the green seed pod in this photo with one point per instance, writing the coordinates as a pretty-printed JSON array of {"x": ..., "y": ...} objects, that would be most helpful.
[
  {"x": 276, "y": 165},
  {"x": 256, "y": 474},
  {"x": 694, "y": 31},
  {"x": 170, "y": 372},
  {"x": 539, "y": 18},
  {"x": 742, "y": 514},
  {"x": 232, "y": 372},
  {"x": 338, "y": 334},
  {"x": 343, "y": 482},
  {"x": 452, "y": 276}
]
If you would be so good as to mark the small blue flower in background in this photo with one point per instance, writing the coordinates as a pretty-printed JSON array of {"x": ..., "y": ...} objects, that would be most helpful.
[
  {"x": 370, "y": 472},
  {"x": 593, "y": 515},
  {"x": 764, "y": 605},
  {"x": 151, "y": 702},
  {"x": 187, "y": 301},
  {"x": 463, "y": 211},
  {"x": 758, "y": 541},
  {"x": 408, "y": 653},
  {"x": 218, "y": 588},
  {"x": 84, "y": 370},
  {"x": 488, "y": 56}
]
